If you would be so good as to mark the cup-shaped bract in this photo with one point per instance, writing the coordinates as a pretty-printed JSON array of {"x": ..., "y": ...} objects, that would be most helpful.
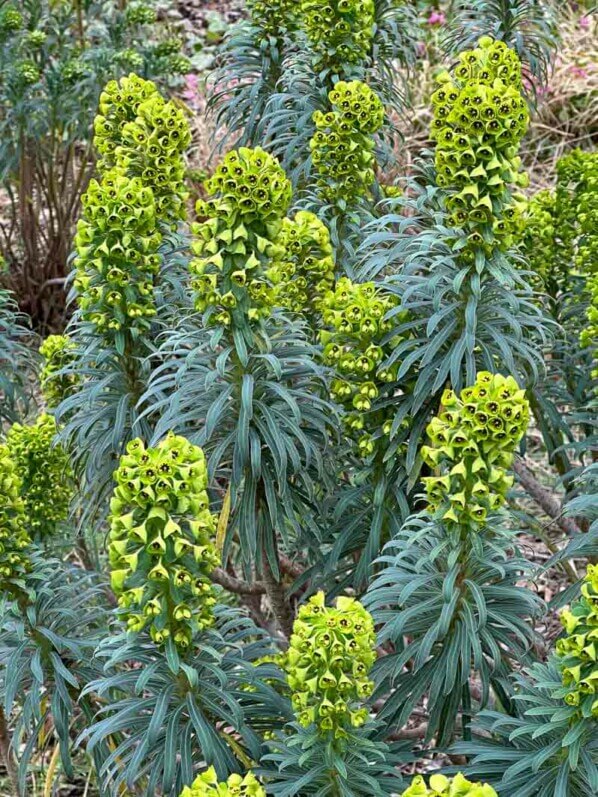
[
  {"x": 302, "y": 266},
  {"x": 161, "y": 540},
  {"x": 472, "y": 444},
  {"x": 356, "y": 345},
  {"x": 117, "y": 259},
  {"x": 208, "y": 785},
  {"x": 273, "y": 17},
  {"x": 143, "y": 135},
  {"x": 442, "y": 786},
  {"x": 340, "y": 31},
  {"x": 342, "y": 148},
  {"x": 480, "y": 117},
  {"x": 328, "y": 662},
  {"x": 577, "y": 652},
  {"x": 45, "y": 473},
  {"x": 234, "y": 240},
  {"x": 57, "y": 352},
  {"x": 14, "y": 537}
]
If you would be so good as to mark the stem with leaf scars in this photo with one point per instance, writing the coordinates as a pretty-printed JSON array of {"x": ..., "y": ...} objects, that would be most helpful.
[
  {"x": 544, "y": 498},
  {"x": 7, "y": 756}
]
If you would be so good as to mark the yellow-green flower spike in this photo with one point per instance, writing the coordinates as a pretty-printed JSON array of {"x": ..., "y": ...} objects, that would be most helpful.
[
  {"x": 480, "y": 117},
  {"x": 355, "y": 346},
  {"x": 578, "y": 650},
  {"x": 57, "y": 353},
  {"x": 14, "y": 538},
  {"x": 339, "y": 31},
  {"x": 234, "y": 243},
  {"x": 539, "y": 233},
  {"x": 328, "y": 662},
  {"x": 441, "y": 786},
  {"x": 143, "y": 135},
  {"x": 472, "y": 444},
  {"x": 273, "y": 17},
  {"x": 161, "y": 540},
  {"x": 117, "y": 255},
  {"x": 45, "y": 473},
  {"x": 207, "y": 785},
  {"x": 342, "y": 148},
  {"x": 586, "y": 256},
  {"x": 302, "y": 267}
]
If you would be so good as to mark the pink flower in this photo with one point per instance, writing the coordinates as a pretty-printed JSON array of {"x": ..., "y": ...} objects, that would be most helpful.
[
  {"x": 578, "y": 71},
  {"x": 436, "y": 18},
  {"x": 584, "y": 22},
  {"x": 191, "y": 87}
]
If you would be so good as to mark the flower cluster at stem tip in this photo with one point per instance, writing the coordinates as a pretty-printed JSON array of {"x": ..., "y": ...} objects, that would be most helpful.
[
  {"x": 143, "y": 135},
  {"x": 45, "y": 472},
  {"x": 273, "y": 17},
  {"x": 327, "y": 664},
  {"x": 57, "y": 352},
  {"x": 472, "y": 445},
  {"x": 161, "y": 551},
  {"x": 117, "y": 254},
  {"x": 302, "y": 266},
  {"x": 578, "y": 651},
  {"x": 339, "y": 31},
  {"x": 586, "y": 255},
  {"x": 441, "y": 786},
  {"x": 235, "y": 239},
  {"x": 14, "y": 537},
  {"x": 355, "y": 345},
  {"x": 342, "y": 146},
  {"x": 480, "y": 117},
  {"x": 207, "y": 785},
  {"x": 539, "y": 233}
]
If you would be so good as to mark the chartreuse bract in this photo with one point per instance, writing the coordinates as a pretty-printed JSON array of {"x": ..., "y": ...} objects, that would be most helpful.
[
  {"x": 45, "y": 473},
  {"x": 441, "y": 786},
  {"x": 207, "y": 785},
  {"x": 448, "y": 596},
  {"x": 327, "y": 667},
  {"x": 550, "y": 745},
  {"x": 161, "y": 541}
]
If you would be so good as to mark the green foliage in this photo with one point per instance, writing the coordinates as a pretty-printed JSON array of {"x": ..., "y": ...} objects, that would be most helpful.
[
  {"x": 448, "y": 596},
  {"x": 539, "y": 752},
  {"x": 52, "y": 70},
  {"x": 527, "y": 27},
  {"x": 14, "y": 538},
  {"x": 15, "y": 359},
  {"x": 473, "y": 442},
  {"x": 207, "y": 785},
  {"x": 578, "y": 651},
  {"x": 163, "y": 716},
  {"x": 441, "y": 786},
  {"x": 45, "y": 473},
  {"x": 161, "y": 551},
  {"x": 57, "y": 352},
  {"x": 328, "y": 663},
  {"x": 47, "y": 644}
]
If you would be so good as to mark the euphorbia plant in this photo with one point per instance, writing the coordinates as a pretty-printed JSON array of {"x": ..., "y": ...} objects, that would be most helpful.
[
  {"x": 248, "y": 385},
  {"x": 328, "y": 666},
  {"x": 448, "y": 595}
]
